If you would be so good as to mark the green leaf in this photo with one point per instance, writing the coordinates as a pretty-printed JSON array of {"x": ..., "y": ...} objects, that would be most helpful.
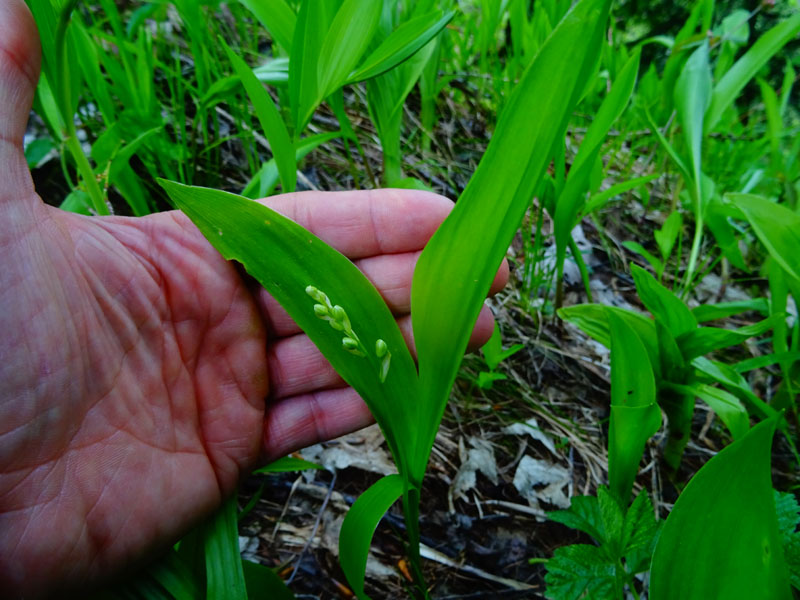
[
  {"x": 288, "y": 463},
  {"x": 572, "y": 197},
  {"x": 400, "y": 44},
  {"x": 728, "y": 88},
  {"x": 224, "y": 575},
  {"x": 454, "y": 273},
  {"x": 270, "y": 119},
  {"x": 788, "y": 520},
  {"x": 734, "y": 382},
  {"x": 777, "y": 227},
  {"x": 350, "y": 33},
  {"x": 637, "y": 248},
  {"x": 359, "y": 526},
  {"x": 727, "y": 406},
  {"x": 579, "y": 571},
  {"x": 264, "y": 583},
  {"x": 309, "y": 33},
  {"x": 285, "y": 258},
  {"x": 692, "y": 96},
  {"x": 725, "y": 517},
  {"x": 668, "y": 234},
  {"x": 703, "y": 340},
  {"x": 664, "y": 305},
  {"x": 592, "y": 319},
  {"x": 635, "y": 416},
  {"x": 600, "y": 199},
  {"x": 723, "y": 310},
  {"x": 583, "y": 514},
  {"x": 276, "y": 17},
  {"x": 493, "y": 351},
  {"x": 175, "y": 577}
]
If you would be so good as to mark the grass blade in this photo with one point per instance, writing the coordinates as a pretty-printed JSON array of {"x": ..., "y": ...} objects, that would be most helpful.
[
  {"x": 224, "y": 575},
  {"x": 454, "y": 273},
  {"x": 401, "y": 44},
  {"x": 270, "y": 119},
  {"x": 728, "y": 88},
  {"x": 346, "y": 41},
  {"x": 662, "y": 303},
  {"x": 359, "y": 526},
  {"x": 276, "y": 17},
  {"x": 725, "y": 517},
  {"x": 777, "y": 227}
]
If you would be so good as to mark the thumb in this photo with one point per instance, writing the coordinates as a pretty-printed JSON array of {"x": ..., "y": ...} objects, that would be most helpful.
[{"x": 20, "y": 56}]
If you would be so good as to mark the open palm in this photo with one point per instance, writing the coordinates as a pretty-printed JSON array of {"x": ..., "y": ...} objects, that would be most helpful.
[{"x": 143, "y": 375}]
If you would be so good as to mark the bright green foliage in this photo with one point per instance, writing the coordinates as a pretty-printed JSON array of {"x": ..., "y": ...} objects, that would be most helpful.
[
  {"x": 360, "y": 525},
  {"x": 725, "y": 517},
  {"x": 625, "y": 543},
  {"x": 635, "y": 416},
  {"x": 788, "y": 522},
  {"x": 675, "y": 345},
  {"x": 494, "y": 354}
]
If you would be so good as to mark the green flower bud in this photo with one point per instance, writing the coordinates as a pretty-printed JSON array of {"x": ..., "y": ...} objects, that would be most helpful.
[
  {"x": 321, "y": 311},
  {"x": 352, "y": 346},
  {"x": 380, "y": 348}
]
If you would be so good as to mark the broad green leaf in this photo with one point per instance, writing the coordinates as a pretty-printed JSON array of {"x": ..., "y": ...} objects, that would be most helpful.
[
  {"x": 727, "y": 406},
  {"x": 454, "y": 273},
  {"x": 728, "y": 88},
  {"x": 777, "y": 227},
  {"x": 285, "y": 258},
  {"x": 288, "y": 463},
  {"x": 635, "y": 416},
  {"x": 703, "y": 340},
  {"x": 263, "y": 583},
  {"x": 224, "y": 575},
  {"x": 345, "y": 43},
  {"x": 668, "y": 234},
  {"x": 725, "y": 517},
  {"x": 309, "y": 33},
  {"x": 692, "y": 96},
  {"x": 276, "y": 17},
  {"x": 592, "y": 319},
  {"x": 270, "y": 119},
  {"x": 723, "y": 310},
  {"x": 174, "y": 576},
  {"x": 662, "y": 303},
  {"x": 734, "y": 382},
  {"x": 572, "y": 197},
  {"x": 400, "y": 44},
  {"x": 359, "y": 526}
]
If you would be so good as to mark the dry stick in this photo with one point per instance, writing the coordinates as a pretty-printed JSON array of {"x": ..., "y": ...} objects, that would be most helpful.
[{"x": 314, "y": 530}]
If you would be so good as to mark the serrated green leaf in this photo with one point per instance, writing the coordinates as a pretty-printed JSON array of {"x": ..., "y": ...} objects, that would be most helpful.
[
  {"x": 725, "y": 517},
  {"x": 359, "y": 526},
  {"x": 788, "y": 520},
  {"x": 579, "y": 571},
  {"x": 583, "y": 514}
]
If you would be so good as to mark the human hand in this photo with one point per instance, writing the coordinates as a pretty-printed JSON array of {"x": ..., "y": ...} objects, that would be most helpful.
[{"x": 136, "y": 362}]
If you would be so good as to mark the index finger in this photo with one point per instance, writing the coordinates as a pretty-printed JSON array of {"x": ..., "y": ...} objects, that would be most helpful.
[{"x": 368, "y": 222}]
